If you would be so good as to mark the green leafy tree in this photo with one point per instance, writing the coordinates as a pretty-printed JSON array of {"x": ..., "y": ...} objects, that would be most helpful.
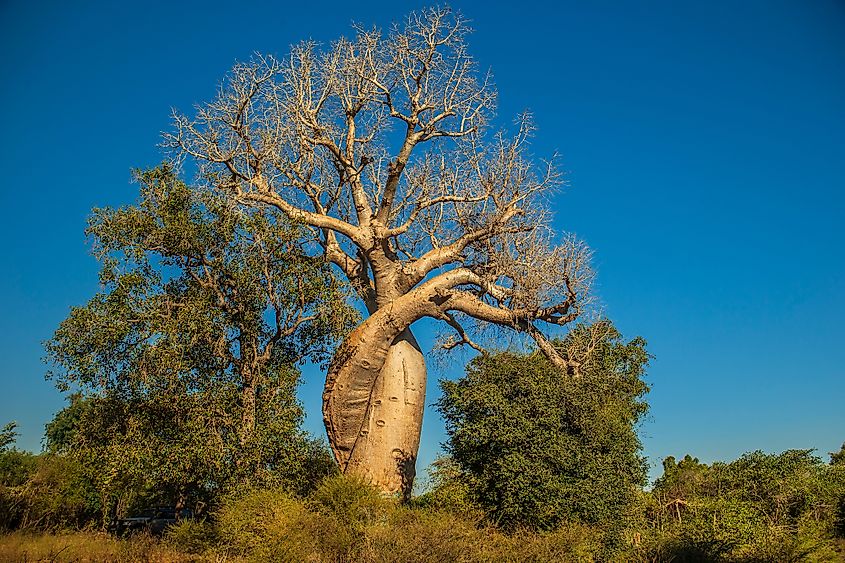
[
  {"x": 682, "y": 479},
  {"x": 449, "y": 488},
  {"x": 186, "y": 360},
  {"x": 838, "y": 458},
  {"x": 40, "y": 491},
  {"x": 8, "y": 435},
  {"x": 15, "y": 465},
  {"x": 60, "y": 432},
  {"x": 760, "y": 507},
  {"x": 542, "y": 447}
]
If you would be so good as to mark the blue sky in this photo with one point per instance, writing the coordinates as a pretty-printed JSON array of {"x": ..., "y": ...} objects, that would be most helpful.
[{"x": 704, "y": 145}]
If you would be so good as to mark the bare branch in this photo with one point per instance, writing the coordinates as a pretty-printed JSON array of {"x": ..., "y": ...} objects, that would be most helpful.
[{"x": 464, "y": 337}]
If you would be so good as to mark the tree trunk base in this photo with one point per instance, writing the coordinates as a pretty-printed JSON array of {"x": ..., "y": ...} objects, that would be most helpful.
[{"x": 385, "y": 451}]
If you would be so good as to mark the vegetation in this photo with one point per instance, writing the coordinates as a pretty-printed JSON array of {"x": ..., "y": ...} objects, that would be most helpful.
[
  {"x": 185, "y": 362},
  {"x": 760, "y": 507},
  {"x": 346, "y": 520},
  {"x": 542, "y": 467},
  {"x": 540, "y": 448}
]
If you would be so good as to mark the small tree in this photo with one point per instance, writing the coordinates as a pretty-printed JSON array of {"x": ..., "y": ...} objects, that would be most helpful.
[
  {"x": 380, "y": 145},
  {"x": 8, "y": 435},
  {"x": 542, "y": 448},
  {"x": 186, "y": 358},
  {"x": 838, "y": 458}
]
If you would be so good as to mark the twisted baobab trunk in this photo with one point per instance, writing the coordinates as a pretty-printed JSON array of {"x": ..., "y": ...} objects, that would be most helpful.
[
  {"x": 373, "y": 404},
  {"x": 375, "y": 394},
  {"x": 385, "y": 450}
]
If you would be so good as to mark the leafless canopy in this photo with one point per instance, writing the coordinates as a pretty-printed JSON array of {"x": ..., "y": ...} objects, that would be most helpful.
[{"x": 380, "y": 145}]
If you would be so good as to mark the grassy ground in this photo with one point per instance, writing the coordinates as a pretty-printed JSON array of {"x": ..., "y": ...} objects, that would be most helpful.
[
  {"x": 73, "y": 547},
  {"x": 88, "y": 547},
  {"x": 423, "y": 542}
]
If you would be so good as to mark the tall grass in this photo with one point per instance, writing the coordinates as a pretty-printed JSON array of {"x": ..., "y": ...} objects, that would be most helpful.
[{"x": 85, "y": 547}]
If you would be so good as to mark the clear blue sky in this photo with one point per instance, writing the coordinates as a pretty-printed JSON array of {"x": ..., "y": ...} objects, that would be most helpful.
[{"x": 705, "y": 150}]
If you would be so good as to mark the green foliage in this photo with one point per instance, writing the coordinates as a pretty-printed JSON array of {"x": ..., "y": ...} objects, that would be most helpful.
[
  {"x": 426, "y": 535},
  {"x": 838, "y": 458},
  {"x": 761, "y": 507},
  {"x": 192, "y": 536},
  {"x": 266, "y": 525},
  {"x": 60, "y": 432},
  {"x": 185, "y": 362},
  {"x": 449, "y": 489},
  {"x": 45, "y": 492},
  {"x": 344, "y": 508},
  {"x": 351, "y": 501},
  {"x": 16, "y": 467},
  {"x": 542, "y": 447},
  {"x": 682, "y": 478},
  {"x": 8, "y": 435},
  {"x": 345, "y": 520}
]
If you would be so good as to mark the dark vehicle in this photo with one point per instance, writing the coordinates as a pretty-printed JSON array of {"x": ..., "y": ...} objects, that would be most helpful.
[{"x": 153, "y": 520}]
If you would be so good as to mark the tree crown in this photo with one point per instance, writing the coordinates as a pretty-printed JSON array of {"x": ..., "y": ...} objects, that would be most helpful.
[{"x": 381, "y": 145}]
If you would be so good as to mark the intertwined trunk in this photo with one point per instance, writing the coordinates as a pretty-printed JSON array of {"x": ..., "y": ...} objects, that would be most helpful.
[
  {"x": 373, "y": 406},
  {"x": 385, "y": 450},
  {"x": 375, "y": 395}
]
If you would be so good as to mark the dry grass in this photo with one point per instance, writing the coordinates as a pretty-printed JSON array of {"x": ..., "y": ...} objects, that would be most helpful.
[{"x": 89, "y": 547}]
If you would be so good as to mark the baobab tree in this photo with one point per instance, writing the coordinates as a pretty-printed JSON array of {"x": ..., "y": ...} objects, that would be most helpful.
[{"x": 381, "y": 145}]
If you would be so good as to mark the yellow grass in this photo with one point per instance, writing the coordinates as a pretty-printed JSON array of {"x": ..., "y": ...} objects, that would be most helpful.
[{"x": 88, "y": 547}]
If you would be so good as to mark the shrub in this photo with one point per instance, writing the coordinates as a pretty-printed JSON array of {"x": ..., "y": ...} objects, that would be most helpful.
[
  {"x": 53, "y": 494},
  {"x": 417, "y": 534},
  {"x": 344, "y": 507},
  {"x": 543, "y": 447},
  {"x": 192, "y": 536},
  {"x": 265, "y": 525},
  {"x": 449, "y": 489},
  {"x": 760, "y": 507},
  {"x": 351, "y": 501}
]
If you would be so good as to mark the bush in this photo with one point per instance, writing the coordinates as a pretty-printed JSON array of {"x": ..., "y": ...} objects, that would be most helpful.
[
  {"x": 50, "y": 493},
  {"x": 331, "y": 525},
  {"x": 192, "y": 536},
  {"x": 543, "y": 447},
  {"x": 347, "y": 521},
  {"x": 349, "y": 500},
  {"x": 16, "y": 467},
  {"x": 343, "y": 509},
  {"x": 760, "y": 507},
  {"x": 433, "y": 536},
  {"x": 449, "y": 489},
  {"x": 265, "y": 525},
  {"x": 424, "y": 535}
]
